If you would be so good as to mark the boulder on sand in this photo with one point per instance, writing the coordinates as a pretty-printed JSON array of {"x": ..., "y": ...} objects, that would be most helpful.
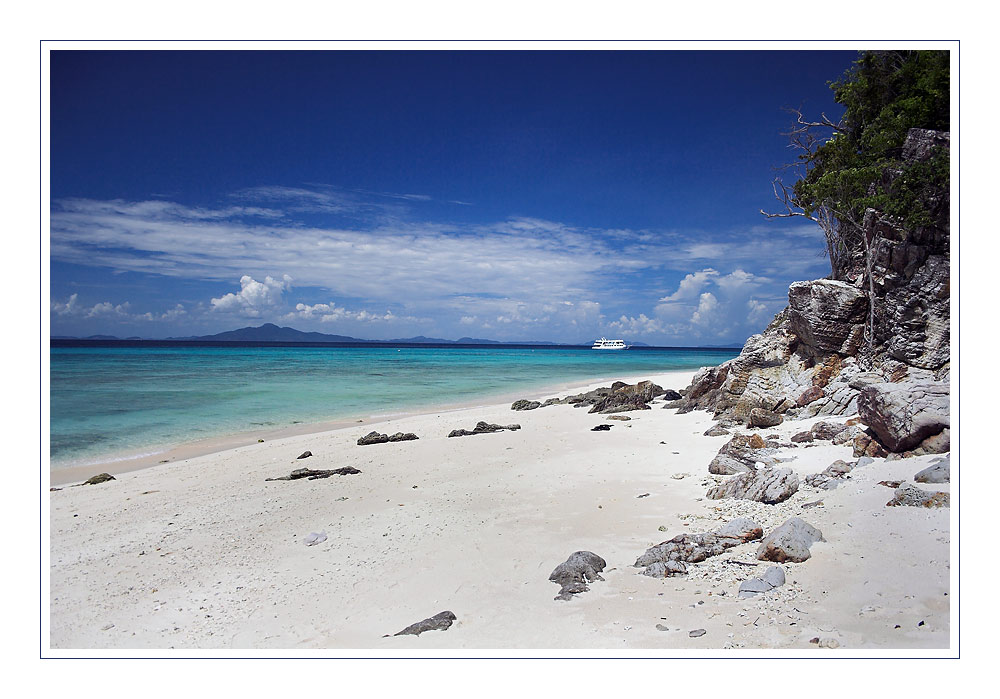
[
  {"x": 441, "y": 621},
  {"x": 575, "y": 572},
  {"x": 905, "y": 414},
  {"x": 937, "y": 472},
  {"x": 766, "y": 485},
  {"x": 789, "y": 542},
  {"x": 912, "y": 496}
]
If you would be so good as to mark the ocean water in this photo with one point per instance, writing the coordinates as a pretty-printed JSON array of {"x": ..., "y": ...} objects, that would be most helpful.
[{"x": 111, "y": 401}]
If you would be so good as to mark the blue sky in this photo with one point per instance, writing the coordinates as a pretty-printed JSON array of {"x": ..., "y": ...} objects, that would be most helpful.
[{"x": 542, "y": 195}]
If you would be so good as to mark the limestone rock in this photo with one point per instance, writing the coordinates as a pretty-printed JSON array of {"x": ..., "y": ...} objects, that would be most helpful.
[
  {"x": 767, "y": 485},
  {"x": 716, "y": 431},
  {"x": 827, "y": 315},
  {"x": 441, "y": 621},
  {"x": 789, "y": 542},
  {"x": 830, "y": 477},
  {"x": 809, "y": 395},
  {"x": 737, "y": 455},
  {"x": 826, "y": 430},
  {"x": 773, "y": 577},
  {"x": 903, "y": 415},
  {"x": 938, "y": 472},
  {"x": 525, "y": 405},
  {"x": 800, "y": 437},
  {"x": 671, "y": 557},
  {"x": 759, "y": 417},
  {"x": 912, "y": 496},
  {"x": 866, "y": 444},
  {"x": 575, "y": 572},
  {"x": 847, "y": 436}
]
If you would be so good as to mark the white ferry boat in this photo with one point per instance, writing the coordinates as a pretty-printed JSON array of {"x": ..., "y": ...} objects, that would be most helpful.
[{"x": 606, "y": 344}]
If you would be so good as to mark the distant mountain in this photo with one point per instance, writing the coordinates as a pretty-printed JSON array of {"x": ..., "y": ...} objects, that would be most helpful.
[{"x": 269, "y": 332}]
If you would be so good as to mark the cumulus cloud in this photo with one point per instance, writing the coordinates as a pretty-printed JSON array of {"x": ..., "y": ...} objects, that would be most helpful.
[
  {"x": 68, "y": 308},
  {"x": 331, "y": 313},
  {"x": 707, "y": 305},
  {"x": 253, "y": 296}
]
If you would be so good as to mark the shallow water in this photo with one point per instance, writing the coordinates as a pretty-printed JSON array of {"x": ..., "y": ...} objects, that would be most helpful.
[{"x": 110, "y": 401}]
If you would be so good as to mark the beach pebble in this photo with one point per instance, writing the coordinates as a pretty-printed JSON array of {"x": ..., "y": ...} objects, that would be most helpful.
[
  {"x": 661, "y": 627},
  {"x": 304, "y": 455},
  {"x": 315, "y": 538},
  {"x": 697, "y": 633}
]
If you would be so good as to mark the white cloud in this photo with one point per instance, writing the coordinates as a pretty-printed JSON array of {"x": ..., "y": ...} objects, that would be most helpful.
[
  {"x": 331, "y": 313},
  {"x": 535, "y": 278},
  {"x": 68, "y": 308},
  {"x": 253, "y": 296},
  {"x": 707, "y": 306}
]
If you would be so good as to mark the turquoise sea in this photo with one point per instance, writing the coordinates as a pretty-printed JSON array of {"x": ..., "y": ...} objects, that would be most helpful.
[{"x": 108, "y": 401}]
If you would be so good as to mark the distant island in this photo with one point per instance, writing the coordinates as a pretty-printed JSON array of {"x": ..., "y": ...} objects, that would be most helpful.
[{"x": 269, "y": 332}]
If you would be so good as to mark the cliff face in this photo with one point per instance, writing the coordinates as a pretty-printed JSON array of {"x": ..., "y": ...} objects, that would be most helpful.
[{"x": 841, "y": 340}]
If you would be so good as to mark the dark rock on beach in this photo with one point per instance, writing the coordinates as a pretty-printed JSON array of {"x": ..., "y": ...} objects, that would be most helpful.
[
  {"x": 99, "y": 478},
  {"x": 525, "y": 405},
  {"x": 628, "y": 397},
  {"x": 304, "y": 455},
  {"x": 575, "y": 572},
  {"x": 376, "y": 438},
  {"x": 601, "y": 428},
  {"x": 483, "y": 428},
  {"x": 373, "y": 438},
  {"x": 314, "y": 474},
  {"x": 671, "y": 557},
  {"x": 441, "y": 621}
]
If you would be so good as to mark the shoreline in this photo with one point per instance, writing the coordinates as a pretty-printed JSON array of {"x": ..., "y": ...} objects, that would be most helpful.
[{"x": 129, "y": 461}]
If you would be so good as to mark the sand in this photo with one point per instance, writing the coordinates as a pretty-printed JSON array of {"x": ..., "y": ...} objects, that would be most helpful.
[{"x": 204, "y": 555}]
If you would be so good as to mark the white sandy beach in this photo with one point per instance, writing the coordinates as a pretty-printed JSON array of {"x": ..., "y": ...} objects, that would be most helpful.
[{"x": 203, "y": 553}]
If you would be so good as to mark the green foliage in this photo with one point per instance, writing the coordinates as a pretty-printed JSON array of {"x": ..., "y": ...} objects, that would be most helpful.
[{"x": 885, "y": 94}]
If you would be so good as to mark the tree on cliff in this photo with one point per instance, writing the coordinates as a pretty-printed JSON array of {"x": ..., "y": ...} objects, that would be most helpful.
[
  {"x": 853, "y": 177},
  {"x": 853, "y": 165}
]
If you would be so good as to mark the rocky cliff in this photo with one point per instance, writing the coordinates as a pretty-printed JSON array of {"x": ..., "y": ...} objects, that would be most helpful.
[{"x": 875, "y": 341}]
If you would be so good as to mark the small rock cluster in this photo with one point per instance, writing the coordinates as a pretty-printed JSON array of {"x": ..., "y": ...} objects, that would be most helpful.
[
  {"x": 377, "y": 438},
  {"x": 483, "y": 428},
  {"x": 671, "y": 557}
]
